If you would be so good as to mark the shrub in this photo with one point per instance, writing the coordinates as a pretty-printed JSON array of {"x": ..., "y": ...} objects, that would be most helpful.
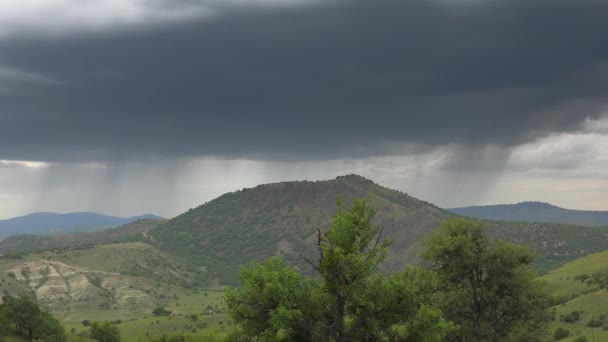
[
  {"x": 160, "y": 311},
  {"x": 561, "y": 333},
  {"x": 595, "y": 323},
  {"x": 572, "y": 317}
]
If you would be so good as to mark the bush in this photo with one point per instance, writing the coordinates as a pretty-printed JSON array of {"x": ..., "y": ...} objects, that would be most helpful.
[
  {"x": 572, "y": 317},
  {"x": 582, "y": 339},
  {"x": 561, "y": 333},
  {"x": 595, "y": 323},
  {"x": 160, "y": 311}
]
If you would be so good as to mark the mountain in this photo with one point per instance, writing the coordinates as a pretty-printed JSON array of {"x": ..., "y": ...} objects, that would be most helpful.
[
  {"x": 282, "y": 219},
  {"x": 39, "y": 223},
  {"x": 23, "y": 243},
  {"x": 535, "y": 212}
]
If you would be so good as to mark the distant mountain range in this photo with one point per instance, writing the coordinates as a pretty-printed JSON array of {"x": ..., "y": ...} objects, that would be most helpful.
[
  {"x": 42, "y": 223},
  {"x": 535, "y": 212}
]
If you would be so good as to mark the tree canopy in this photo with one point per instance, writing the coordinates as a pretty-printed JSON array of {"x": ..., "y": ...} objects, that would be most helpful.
[
  {"x": 29, "y": 320},
  {"x": 488, "y": 287},
  {"x": 104, "y": 332},
  {"x": 348, "y": 300}
]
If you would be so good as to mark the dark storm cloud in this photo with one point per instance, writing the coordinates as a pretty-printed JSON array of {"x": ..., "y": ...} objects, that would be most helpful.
[{"x": 310, "y": 82}]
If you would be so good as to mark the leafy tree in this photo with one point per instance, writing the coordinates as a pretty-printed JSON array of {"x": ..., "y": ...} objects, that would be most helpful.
[
  {"x": 104, "y": 332},
  {"x": 29, "y": 321},
  {"x": 24, "y": 313},
  {"x": 488, "y": 287},
  {"x": 351, "y": 301},
  {"x": 49, "y": 330},
  {"x": 5, "y": 323}
]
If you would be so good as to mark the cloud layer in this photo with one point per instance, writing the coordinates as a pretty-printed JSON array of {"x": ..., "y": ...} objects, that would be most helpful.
[
  {"x": 275, "y": 82},
  {"x": 124, "y": 106}
]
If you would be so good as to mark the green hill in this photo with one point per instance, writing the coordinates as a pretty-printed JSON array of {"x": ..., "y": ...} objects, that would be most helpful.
[
  {"x": 121, "y": 283},
  {"x": 282, "y": 218},
  {"x": 581, "y": 287}
]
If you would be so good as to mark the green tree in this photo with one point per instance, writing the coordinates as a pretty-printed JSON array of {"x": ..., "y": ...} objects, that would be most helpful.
[
  {"x": 350, "y": 301},
  {"x": 49, "y": 330},
  {"x": 5, "y": 323},
  {"x": 24, "y": 314},
  {"x": 29, "y": 321},
  {"x": 488, "y": 287},
  {"x": 104, "y": 332}
]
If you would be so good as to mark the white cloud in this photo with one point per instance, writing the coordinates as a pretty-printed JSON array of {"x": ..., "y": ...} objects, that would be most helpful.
[
  {"x": 59, "y": 17},
  {"x": 23, "y": 164},
  {"x": 598, "y": 125}
]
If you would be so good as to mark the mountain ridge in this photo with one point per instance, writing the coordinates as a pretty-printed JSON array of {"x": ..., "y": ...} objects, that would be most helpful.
[
  {"x": 534, "y": 212},
  {"x": 47, "y": 222}
]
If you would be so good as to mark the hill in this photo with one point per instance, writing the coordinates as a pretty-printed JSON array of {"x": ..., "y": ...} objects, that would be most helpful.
[
  {"x": 581, "y": 289},
  {"x": 122, "y": 283},
  {"x": 134, "y": 231},
  {"x": 535, "y": 212},
  {"x": 39, "y": 223},
  {"x": 282, "y": 219}
]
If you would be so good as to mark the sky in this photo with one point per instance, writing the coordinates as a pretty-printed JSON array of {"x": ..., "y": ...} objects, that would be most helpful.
[{"x": 156, "y": 106}]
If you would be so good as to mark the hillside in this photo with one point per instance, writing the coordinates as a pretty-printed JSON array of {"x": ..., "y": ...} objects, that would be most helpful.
[
  {"x": 581, "y": 287},
  {"x": 281, "y": 219},
  {"x": 121, "y": 283},
  {"x": 535, "y": 212},
  {"x": 39, "y": 223},
  {"x": 128, "y": 232}
]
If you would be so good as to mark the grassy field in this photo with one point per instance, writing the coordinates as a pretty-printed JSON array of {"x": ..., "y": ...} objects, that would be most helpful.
[
  {"x": 583, "y": 299},
  {"x": 208, "y": 306}
]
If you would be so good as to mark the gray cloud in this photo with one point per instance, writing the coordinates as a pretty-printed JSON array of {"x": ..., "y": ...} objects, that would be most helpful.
[{"x": 347, "y": 78}]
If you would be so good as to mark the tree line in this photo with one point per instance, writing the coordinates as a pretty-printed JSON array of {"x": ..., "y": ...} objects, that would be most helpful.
[{"x": 470, "y": 288}]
